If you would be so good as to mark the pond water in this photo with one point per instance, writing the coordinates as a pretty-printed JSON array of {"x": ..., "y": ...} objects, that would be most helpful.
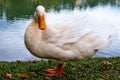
[{"x": 15, "y": 16}]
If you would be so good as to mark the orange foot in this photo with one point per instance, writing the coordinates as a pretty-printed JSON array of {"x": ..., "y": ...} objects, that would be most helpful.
[{"x": 54, "y": 72}]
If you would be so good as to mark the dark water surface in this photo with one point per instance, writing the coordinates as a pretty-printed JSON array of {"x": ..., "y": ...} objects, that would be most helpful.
[{"x": 15, "y": 16}]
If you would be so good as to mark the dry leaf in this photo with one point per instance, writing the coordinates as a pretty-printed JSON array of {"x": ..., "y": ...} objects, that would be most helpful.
[
  {"x": 22, "y": 75},
  {"x": 34, "y": 74},
  {"x": 106, "y": 62},
  {"x": 8, "y": 75}
]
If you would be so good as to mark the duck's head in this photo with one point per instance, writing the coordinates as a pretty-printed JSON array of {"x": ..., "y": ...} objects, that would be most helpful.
[{"x": 39, "y": 16}]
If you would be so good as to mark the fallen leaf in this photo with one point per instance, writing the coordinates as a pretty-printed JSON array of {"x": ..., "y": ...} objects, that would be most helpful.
[
  {"x": 9, "y": 75},
  {"x": 34, "y": 74},
  {"x": 47, "y": 78},
  {"x": 22, "y": 75},
  {"x": 106, "y": 62}
]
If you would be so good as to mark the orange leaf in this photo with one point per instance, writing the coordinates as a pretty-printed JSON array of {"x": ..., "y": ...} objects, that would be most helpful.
[{"x": 22, "y": 75}]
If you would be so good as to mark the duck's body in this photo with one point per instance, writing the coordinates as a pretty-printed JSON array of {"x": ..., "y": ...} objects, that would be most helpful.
[
  {"x": 63, "y": 41},
  {"x": 55, "y": 44}
]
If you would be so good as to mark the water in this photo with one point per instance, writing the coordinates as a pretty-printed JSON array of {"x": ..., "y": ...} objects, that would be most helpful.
[{"x": 15, "y": 16}]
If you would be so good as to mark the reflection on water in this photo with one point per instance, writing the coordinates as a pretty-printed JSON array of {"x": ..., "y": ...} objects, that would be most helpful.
[{"x": 15, "y": 15}]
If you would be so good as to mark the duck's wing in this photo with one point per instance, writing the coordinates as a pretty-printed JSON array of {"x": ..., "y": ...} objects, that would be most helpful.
[
  {"x": 73, "y": 33},
  {"x": 66, "y": 33}
]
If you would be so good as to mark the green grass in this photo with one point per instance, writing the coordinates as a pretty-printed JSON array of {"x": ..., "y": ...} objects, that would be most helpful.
[{"x": 87, "y": 69}]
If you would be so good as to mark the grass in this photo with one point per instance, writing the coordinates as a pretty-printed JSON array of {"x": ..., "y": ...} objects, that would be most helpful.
[{"x": 87, "y": 69}]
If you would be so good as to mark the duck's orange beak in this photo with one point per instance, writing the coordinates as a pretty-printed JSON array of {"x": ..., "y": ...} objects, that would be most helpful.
[{"x": 41, "y": 22}]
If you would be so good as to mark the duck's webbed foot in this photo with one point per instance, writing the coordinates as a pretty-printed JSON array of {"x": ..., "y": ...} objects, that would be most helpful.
[{"x": 55, "y": 71}]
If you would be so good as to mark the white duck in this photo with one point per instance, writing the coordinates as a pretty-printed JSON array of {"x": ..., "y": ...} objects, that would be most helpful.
[{"x": 68, "y": 40}]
